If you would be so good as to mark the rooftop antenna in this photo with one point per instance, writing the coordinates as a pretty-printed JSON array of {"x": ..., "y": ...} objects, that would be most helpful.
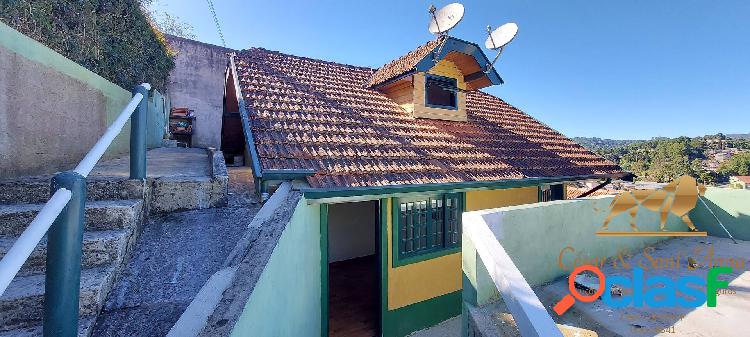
[
  {"x": 443, "y": 21},
  {"x": 498, "y": 39}
]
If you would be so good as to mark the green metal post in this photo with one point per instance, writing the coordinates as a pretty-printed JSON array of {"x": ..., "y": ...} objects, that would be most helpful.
[
  {"x": 62, "y": 280},
  {"x": 138, "y": 136}
]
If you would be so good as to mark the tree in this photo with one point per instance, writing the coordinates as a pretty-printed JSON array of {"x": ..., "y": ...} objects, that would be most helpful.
[
  {"x": 738, "y": 165},
  {"x": 167, "y": 23}
]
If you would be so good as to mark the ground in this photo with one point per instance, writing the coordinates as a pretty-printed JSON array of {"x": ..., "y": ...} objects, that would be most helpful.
[{"x": 174, "y": 256}]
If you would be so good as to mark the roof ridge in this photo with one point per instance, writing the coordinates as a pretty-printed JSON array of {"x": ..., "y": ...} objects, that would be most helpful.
[
  {"x": 404, "y": 63},
  {"x": 269, "y": 51}
]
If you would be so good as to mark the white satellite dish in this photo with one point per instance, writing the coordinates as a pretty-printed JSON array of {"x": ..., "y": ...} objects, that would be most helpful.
[
  {"x": 501, "y": 36},
  {"x": 446, "y": 18}
]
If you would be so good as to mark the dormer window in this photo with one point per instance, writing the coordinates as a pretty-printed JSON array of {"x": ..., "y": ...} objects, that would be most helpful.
[{"x": 440, "y": 92}]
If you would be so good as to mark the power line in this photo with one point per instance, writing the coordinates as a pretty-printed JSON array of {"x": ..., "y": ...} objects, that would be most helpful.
[{"x": 216, "y": 20}]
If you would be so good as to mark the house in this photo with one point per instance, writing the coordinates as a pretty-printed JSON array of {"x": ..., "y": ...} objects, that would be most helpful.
[
  {"x": 391, "y": 157},
  {"x": 740, "y": 182}
]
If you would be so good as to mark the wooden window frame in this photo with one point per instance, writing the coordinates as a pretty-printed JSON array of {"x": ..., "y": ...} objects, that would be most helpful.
[{"x": 430, "y": 251}]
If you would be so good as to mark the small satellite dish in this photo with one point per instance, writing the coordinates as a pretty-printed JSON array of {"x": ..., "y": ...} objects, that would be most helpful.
[
  {"x": 446, "y": 18},
  {"x": 501, "y": 36}
]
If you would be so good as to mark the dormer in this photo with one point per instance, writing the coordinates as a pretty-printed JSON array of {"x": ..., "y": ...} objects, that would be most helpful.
[{"x": 432, "y": 80}]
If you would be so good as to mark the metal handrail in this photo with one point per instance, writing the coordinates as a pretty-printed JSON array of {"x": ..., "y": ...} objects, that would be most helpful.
[
  {"x": 97, "y": 151},
  {"x": 24, "y": 246},
  {"x": 528, "y": 312},
  {"x": 63, "y": 215}
]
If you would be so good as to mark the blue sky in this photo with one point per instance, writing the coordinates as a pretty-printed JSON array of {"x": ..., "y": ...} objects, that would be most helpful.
[{"x": 610, "y": 69}]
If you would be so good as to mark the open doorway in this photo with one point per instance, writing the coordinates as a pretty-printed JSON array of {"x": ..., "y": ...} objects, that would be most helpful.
[
  {"x": 232, "y": 134},
  {"x": 353, "y": 277}
]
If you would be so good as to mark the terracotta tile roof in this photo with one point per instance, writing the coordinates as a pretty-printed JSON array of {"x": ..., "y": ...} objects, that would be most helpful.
[
  {"x": 744, "y": 179},
  {"x": 403, "y": 64},
  {"x": 312, "y": 114}
]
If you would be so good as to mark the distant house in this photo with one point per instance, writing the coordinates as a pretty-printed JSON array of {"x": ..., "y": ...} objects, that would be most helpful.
[
  {"x": 740, "y": 182},
  {"x": 390, "y": 158}
]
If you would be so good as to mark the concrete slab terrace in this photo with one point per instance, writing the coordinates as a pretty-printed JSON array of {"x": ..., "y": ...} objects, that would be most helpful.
[
  {"x": 174, "y": 256},
  {"x": 725, "y": 319},
  {"x": 160, "y": 162}
]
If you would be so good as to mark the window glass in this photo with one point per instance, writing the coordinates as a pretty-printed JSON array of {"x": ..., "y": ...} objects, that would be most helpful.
[
  {"x": 428, "y": 224},
  {"x": 441, "y": 92}
]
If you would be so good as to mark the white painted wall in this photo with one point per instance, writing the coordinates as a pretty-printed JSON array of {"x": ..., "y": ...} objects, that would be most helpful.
[{"x": 351, "y": 230}]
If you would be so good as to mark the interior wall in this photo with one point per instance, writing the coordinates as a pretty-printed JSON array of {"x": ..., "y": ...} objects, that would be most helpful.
[{"x": 351, "y": 230}]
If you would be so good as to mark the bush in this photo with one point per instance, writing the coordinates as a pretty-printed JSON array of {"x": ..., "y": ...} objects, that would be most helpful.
[{"x": 112, "y": 38}]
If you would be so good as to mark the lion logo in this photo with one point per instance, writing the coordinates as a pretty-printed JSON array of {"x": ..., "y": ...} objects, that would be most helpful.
[{"x": 678, "y": 197}]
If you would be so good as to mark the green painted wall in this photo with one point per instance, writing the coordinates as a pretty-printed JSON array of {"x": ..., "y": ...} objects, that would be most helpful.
[
  {"x": 731, "y": 206},
  {"x": 534, "y": 236},
  {"x": 158, "y": 109},
  {"x": 414, "y": 317},
  {"x": 53, "y": 110},
  {"x": 286, "y": 299}
]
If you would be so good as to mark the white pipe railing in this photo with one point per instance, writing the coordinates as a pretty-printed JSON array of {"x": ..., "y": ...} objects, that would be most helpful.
[
  {"x": 24, "y": 246},
  {"x": 29, "y": 239},
  {"x": 97, "y": 151},
  {"x": 528, "y": 312}
]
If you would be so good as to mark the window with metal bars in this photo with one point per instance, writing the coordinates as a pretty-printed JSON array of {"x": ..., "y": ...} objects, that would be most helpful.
[{"x": 427, "y": 225}]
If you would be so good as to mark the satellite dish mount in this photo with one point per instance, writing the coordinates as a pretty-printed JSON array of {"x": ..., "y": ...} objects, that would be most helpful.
[
  {"x": 498, "y": 39},
  {"x": 443, "y": 21}
]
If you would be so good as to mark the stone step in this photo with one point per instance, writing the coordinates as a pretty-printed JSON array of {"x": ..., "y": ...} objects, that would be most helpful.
[
  {"x": 85, "y": 327},
  {"x": 100, "y": 248},
  {"x": 30, "y": 190},
  {"x": 100, "y": 215},
  {"x": 21, "y": 306}
]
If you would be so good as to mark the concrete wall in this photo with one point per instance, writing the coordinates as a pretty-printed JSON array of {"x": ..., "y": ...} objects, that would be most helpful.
[
  {"x": 536, "y": 236},
  {"x": 731, "y": 206},
  {"x": 197, "y": 82},
  {"x": 51, "y": 109},
  {"x": 286, "y": 299},
  {"x": 351, "y": 230}
]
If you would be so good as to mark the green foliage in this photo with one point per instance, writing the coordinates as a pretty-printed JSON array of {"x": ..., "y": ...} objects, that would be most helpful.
[
  {"x": 738, "y": 165},
  {"x": 664, "y": 159},
  {"x": 112, "y": 38}
]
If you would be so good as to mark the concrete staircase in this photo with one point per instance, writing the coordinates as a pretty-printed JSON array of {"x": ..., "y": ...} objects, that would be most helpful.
[{"x": 114, "y": 212}]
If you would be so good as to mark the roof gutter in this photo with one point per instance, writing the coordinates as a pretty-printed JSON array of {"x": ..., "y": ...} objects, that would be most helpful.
[
  {"x": 322, "y": 195},
  {"x": 246, "y": 129}
]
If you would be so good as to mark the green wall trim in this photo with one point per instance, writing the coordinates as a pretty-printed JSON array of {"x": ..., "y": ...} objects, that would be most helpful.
[
  {"x": 418, "y": 316},
  {"x": 323, "y": 270},
  {"x": 383, "y": 244},
  {"x": 331, "y": 194},
  {"x": 245, "y": 117}
]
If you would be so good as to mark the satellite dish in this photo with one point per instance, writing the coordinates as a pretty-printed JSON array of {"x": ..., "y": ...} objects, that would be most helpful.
[
  {"x": 445, "y": 18},
  {"x": 501, "y": 36}
]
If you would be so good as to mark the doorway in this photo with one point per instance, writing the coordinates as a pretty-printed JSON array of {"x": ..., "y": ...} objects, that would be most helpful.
[{"x": 353, "y": 269}]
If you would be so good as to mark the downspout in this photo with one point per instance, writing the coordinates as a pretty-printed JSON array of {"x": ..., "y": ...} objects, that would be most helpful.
[{"x": 248, "y": 132}]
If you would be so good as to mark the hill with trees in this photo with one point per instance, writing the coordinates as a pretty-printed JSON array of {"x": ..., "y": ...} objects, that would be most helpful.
[{"x": 710, "y": 159}]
